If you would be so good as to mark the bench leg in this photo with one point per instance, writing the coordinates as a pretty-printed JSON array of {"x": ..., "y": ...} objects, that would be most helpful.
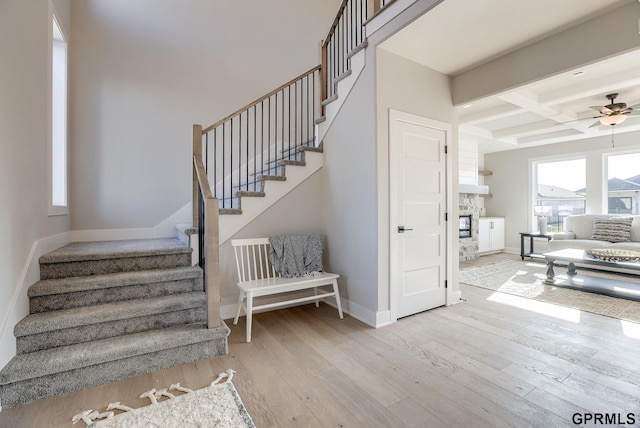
[
  {"x": 315, "y": 292},
  {"x": 240, "y": 298},
  {"x": 249, "y": 315},
  {"x": 338, "y": 302}
]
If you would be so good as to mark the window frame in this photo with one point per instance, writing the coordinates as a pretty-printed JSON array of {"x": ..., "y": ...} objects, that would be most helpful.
[
  {"x": 533, "y": 181},
  {"x": 605, "y": 176},
  {"x": 57, "y": 135}
]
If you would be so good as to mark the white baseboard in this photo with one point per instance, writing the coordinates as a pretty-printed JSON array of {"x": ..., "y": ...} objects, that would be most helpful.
[
  {"x": 19, "y": 306},
  {"x": 110, "y": 234},
  {"x": 511, "y": 250},
  {"x": 166, "y": 229},
  {"x": 454, "y": 298}
]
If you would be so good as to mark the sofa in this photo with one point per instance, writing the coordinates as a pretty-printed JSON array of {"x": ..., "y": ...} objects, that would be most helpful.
[{"x": 611, "y": 231}]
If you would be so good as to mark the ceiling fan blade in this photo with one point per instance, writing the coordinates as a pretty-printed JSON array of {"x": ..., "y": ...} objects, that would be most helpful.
[
  {"x": 634, "y": 112},
  {"x": 576, "y": 120},
  {"x": 634, "y": 109},
  {"x": 595, "y": 124},
  {"x": 598, "y": 108}
]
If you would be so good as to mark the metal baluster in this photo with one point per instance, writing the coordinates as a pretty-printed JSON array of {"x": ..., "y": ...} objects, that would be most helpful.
[
  {"x": 282, "y": 119},
  {"x": 239, "y": 154},
  {"x": 353, "y": 24},
  {"x": 289, "y": 124},
  {"x": 269, "y": 146},
  {"x": 262, "y": 137},
  {"x": 201, "y": 229},
  {"x": 363, "y": 17},
  {"x": 231, "y": 164},
  {"x": 215, "y": 158},
  {"x": 255, "y": 137},
  {"x": 247, "y": 151},
  {"x": 224, "y": 146},
  {"x": 308, "y": 109},
  {"x": 206, "y": 153}
]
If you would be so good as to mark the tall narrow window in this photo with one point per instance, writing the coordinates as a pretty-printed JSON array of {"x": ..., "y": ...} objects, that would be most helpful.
[
  {"x": 561, "y": 185},
  {"x": 623, "y": 183},
  {"x": 58, "y": 203}
]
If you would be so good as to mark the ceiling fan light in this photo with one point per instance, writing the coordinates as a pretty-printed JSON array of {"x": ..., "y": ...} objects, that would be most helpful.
[{"x": 613, "y": 119}]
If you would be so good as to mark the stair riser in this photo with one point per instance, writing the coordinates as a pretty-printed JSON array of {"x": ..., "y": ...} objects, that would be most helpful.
[
  {"x": 104, "y": 266},
  {"x": 19, "y": 393},
  {"x": 77, "y": 299},
  {"x": 86, "y": 333}
]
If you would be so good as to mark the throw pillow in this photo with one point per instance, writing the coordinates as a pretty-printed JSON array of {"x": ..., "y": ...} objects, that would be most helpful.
[{"x": 614, "y": 229}]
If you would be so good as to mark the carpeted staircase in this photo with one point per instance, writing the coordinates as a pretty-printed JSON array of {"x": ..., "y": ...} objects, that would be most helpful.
[{"x": 104, "y": 311}]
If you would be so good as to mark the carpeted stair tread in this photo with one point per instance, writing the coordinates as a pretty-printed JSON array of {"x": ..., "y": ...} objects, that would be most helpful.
[
  {"x": 87, "y": 315},
  {"x": 65, "y": 358},
  {"x": 285, "y": 162},
  {"x": 47, "y": 287},
  {"x": 99, "y": 250},
  {"x": 310, "y": 149}
]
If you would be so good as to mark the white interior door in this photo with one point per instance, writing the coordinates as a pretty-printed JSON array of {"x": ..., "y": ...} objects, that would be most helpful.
[{"x": 418, "y": 206}]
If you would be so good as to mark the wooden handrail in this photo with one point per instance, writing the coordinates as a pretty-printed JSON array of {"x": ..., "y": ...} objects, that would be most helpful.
[
  {"x": 335, "y": 23},
  {"x": 262, "y": 98},
  {"x": 202, "y": 178}
]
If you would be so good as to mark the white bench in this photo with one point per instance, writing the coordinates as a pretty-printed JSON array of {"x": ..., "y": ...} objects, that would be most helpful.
[{"x": 257, "y": 278}]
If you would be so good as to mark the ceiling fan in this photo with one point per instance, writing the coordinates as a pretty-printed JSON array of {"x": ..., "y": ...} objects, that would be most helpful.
[{"x": 614, "y": 113}]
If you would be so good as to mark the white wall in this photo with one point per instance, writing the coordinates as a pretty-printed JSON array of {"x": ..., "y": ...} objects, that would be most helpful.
[
  {"x": 24, "y": 111},
  {"x": 411, "y": 88},
  {"x": 298, "y": 212},
  {"x": 510, "y": 182},
  {"x": 349, "y": 198},
  {"x": 144, "y": 71}
]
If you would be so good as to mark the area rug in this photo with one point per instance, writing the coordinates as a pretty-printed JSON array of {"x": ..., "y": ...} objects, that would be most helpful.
[
  {"x": 217, "y": 405},
  {"x": 526, "y": 279}
]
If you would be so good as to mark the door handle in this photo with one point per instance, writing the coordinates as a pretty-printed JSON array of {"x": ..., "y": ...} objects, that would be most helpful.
[{"x": 401, "y": 229}]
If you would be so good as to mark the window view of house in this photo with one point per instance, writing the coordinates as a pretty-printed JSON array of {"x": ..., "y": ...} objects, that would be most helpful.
[
  {"x": 624, "y": 183},
  {"x": 561, "y": 185}
]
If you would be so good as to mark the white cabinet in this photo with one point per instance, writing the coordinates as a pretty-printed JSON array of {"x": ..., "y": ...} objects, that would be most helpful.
[{"x": 491, "y": 234}]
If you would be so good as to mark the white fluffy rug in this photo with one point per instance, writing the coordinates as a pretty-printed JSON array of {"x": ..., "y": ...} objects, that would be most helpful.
[
  {"x": 526, "y": 279},
  {"x": 217, "y": 405}
]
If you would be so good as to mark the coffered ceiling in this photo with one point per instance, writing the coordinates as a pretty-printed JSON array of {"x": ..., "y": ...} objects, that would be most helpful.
[{"x": 469, "y": 33}]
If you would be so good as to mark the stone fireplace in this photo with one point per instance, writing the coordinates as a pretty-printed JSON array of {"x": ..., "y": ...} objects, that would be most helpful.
[{"x": 470, "y": 205}]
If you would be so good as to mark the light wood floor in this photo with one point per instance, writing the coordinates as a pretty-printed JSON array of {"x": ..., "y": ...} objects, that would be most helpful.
[{"x": 475, "y": 364}]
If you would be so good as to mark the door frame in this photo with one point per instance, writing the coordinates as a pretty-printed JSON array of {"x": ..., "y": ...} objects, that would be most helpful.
[{"x": 447, "y": 128}]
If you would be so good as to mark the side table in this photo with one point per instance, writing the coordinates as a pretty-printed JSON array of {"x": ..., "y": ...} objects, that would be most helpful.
[{"x": 531, "y": 236}]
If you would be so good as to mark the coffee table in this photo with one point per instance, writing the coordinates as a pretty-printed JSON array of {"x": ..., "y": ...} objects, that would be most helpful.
[{"x": 609, "y": 287}]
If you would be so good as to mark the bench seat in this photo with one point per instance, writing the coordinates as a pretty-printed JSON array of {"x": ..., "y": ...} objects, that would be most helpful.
[{"x": 258, "y": 278}]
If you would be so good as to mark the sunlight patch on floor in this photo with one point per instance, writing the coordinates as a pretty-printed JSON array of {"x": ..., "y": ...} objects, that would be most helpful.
[
  {"x": 555, "y": 311},
  {"x": 630, "y": 329}
]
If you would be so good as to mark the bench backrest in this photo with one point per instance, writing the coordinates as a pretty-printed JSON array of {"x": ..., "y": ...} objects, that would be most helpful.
[{"x": 252, "y": 259}]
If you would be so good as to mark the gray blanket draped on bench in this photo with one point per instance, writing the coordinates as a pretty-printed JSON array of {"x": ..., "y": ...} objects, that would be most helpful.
[{"x": 294, "y": 256}]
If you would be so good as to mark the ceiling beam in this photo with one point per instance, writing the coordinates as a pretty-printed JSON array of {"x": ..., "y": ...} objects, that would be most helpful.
[
  {"x": 575, "y": 47},
  {"x": 494, "y": 113},
  {"x": 615, "y": 82},
  {"x": 533, "y": 128}
]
